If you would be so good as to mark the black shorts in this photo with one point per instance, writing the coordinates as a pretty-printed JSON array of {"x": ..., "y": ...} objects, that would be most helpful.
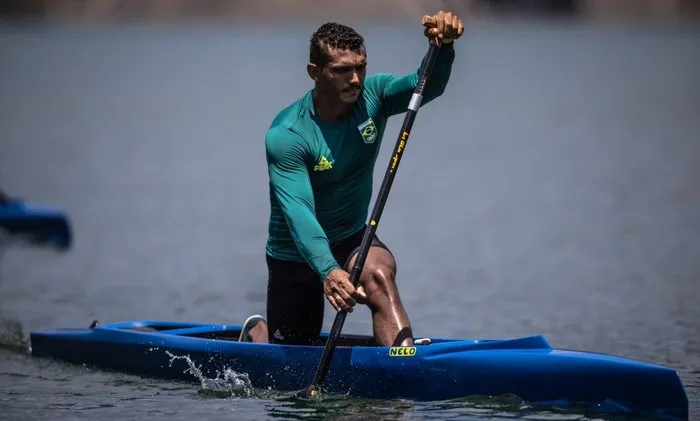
[{"x": 295, "y": 299}]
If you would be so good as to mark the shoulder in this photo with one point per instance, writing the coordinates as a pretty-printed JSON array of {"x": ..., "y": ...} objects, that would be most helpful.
[
  {"x": 293, "y": 114},
  {"x": 284, "y": 134},
  {"x": 380, "y": 85},
  {"x": 376, "y": 82},
  {"x": 285, "y": 146},
  {"x": 281, "y": 140}
]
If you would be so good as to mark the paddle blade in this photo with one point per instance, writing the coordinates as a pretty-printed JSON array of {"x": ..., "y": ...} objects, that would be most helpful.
[{"x": 308, "y": 393}]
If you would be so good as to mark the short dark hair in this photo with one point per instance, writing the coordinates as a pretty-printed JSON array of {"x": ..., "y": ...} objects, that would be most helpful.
[{"x": 333, "y": 35}]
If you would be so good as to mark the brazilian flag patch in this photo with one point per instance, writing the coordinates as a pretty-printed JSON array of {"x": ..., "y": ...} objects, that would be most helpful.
[{"x": 368, "y": 130}]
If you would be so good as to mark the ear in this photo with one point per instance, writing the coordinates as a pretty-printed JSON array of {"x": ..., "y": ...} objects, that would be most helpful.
[{"x": 313, "y": 71}]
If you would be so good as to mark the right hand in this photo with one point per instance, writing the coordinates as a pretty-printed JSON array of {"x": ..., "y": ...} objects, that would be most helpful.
[
  {"x": 340, "y": 292},
  {"x": 442, "y": 27}
]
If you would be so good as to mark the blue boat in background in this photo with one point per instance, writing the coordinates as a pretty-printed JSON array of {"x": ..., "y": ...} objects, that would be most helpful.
[
  {"x": 434, "y": 370},
  {"x": 35, "y": 224}
]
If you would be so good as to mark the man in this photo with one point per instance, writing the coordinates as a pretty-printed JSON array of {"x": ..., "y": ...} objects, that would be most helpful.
[{"x": 321, "y": 152}]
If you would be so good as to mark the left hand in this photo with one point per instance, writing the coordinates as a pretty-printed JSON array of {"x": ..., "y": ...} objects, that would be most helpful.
[
  {"x": 340, "y": 292},
  {"x": 442, "y": 27}
]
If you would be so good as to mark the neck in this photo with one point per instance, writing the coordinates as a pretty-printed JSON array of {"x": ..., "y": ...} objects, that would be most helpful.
[{"x": 328, "y": 109}]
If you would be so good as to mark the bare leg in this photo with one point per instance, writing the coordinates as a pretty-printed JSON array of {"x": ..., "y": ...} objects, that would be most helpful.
[{"x": 389, "y": 318}]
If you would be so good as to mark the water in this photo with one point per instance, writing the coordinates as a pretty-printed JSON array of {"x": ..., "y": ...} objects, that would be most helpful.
[{"x": 552, "y": 190}]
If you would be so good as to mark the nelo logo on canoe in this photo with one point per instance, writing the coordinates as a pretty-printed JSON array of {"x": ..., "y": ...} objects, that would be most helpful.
[{"x": 402, "y": 351}]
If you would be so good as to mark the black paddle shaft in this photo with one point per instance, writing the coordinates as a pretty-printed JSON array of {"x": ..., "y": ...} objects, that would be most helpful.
[{"x": 413, "y": 106}]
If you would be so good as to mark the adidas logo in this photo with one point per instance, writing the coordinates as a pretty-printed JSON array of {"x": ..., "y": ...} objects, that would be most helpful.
[{"x": 323, "y": 164}]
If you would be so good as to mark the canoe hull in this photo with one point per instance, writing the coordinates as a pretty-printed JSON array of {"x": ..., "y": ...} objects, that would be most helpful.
[{"x": 445, "y": 369}]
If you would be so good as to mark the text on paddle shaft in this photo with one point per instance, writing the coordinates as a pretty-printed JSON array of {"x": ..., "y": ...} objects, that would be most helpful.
[{"x": 395, "y": 159}]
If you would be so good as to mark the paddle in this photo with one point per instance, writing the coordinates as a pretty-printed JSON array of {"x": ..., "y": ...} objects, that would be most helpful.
[{"x": 322, "y": 370}]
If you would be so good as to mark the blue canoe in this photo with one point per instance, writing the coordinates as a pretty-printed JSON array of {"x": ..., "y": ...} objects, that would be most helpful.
[
  {"x": 439, "y": 370},
  {"x": 36, "y": 224}
]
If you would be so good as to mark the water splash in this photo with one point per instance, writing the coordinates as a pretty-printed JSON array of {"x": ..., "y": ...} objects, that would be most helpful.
[
  {"x": 12, "y": 336},
  {"x": 227, "y": 383}
]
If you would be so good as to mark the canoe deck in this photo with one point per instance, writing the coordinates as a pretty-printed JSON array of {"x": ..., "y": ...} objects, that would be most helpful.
[
  {"x": 232, "y": 332},
  {"x": 223, "y": 332}
]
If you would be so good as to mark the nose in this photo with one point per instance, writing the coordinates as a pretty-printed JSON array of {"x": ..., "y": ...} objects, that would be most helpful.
[{"x": 354, "y": 78}]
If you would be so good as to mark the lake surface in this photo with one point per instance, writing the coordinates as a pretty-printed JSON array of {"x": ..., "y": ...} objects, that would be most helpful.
[{"x": 554, "y": 189}]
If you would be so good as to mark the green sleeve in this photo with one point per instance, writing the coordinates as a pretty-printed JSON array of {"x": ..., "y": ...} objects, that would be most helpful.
[
  {"x": 395, "y": 92},
  {"x": 290, "y": 183}
]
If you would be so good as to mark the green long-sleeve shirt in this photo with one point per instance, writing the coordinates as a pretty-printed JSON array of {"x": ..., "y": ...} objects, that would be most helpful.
[{"x": 321, "y": 174}]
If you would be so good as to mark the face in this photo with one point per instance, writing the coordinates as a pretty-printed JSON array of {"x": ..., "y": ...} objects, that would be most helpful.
[{"x": 342, "y": 76}]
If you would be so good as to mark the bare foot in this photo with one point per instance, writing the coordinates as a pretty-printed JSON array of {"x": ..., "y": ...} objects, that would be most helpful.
[{"x": 259, "y": 332}]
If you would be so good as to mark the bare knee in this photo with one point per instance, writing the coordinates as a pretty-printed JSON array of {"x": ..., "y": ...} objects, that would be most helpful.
[{"x": 379, "y": 281}]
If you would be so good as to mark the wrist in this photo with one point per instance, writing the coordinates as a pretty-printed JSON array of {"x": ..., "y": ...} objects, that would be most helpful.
[
  {"x": 324, "y": 274},
  {"x": 445, "y": 44}
]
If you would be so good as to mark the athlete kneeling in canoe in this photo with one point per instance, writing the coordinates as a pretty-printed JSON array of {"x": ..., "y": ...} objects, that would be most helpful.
[{"x": 321, "y": 152}]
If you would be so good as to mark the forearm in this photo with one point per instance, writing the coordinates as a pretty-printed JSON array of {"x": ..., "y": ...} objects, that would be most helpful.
[
  {"x": 310, "y": 239},
  {"x": 291, "y": 186},
  {"x": 397, "y": 91},
  {"x": 440, "y": 75}
]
